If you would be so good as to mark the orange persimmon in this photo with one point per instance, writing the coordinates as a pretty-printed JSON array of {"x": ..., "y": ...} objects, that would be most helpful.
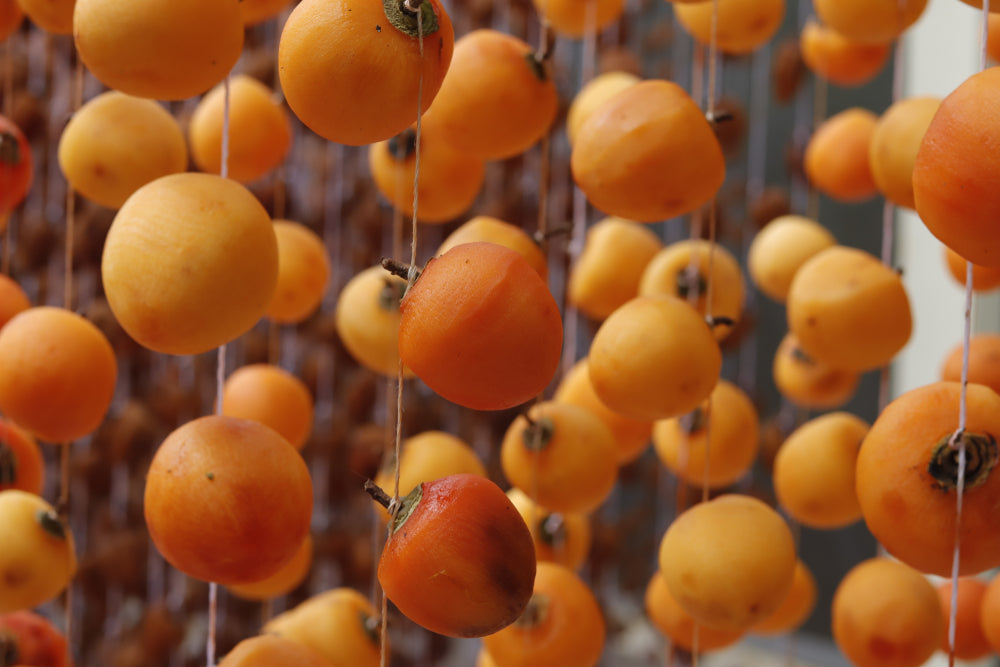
[
  {"x": 272, "y": 651},
  {"x": 12, "y": 299},
  {"x": 872, "y": 21},
  {"x": 838, "y": 59},
  {"x": 16, "y": 168},
  {"x": 272, "y": 396},
  {"x": 984, "y": 361},
  {"x": 367, "y": 320},
  {"x": 678, "y": 625},
  {"x": 572, "y": 18},
  {"x": 559, "y": 537},
  {"x": 33, "y": 639},
  {"x": 592, "y": 95},
  {"x": 780, "y": 249},
  {"x": 494, "y": 230},
  {"x": 970, "y": 642},
  {"x": 836, "y": 157},
  {"x": 282, "y": 582},
  {"x": 21, "y": 463},
  {"x": 895, "y": 144},
  {"x": 984, "y": 278},
  {"x": 740, "y": 26},
  {"x": 303, "y": 273},
  {"x": 796, "y": 607}
]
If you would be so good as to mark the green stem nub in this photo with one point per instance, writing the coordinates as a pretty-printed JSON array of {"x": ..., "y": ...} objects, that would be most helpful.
[
  {"x": 403, "y": 17},
  {"x": 51, "y": 524},
  {"x": 538, "y": 433},
  {"x": 8, "y": 465},
  {"x": 981, "y": 455}
]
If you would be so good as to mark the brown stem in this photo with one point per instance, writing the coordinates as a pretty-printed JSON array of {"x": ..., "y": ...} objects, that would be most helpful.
[
  {"x": 377, "y": 494},
  {"x": 397, "y": 268},
  {"x": 981, "y": 457}
]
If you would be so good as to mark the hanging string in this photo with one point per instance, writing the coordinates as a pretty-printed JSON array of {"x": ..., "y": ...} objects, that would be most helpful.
[{"x": 8, "y": 111}]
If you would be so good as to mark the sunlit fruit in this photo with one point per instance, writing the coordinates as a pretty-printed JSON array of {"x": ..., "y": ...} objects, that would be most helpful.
[
  {"x": 164, "y": 49},
  {"x": 272, "y": 396},
  {"x": 481, "y": 328},
  {"x": 648, "y": 154},
  {"x": 360, "y": 72},
  {"x": 115, "y": 143},
  {"x": 729, "y": 562},
  {"x": 303, "y": 273},
  {"x": 836, "y": 158},
  {"x": 57, "y": 373},
  {"x": 459, "y": 560},
  {"x": 779, "y": 250},
  {"x": 885, "y": 614},
  {"x": 190, "y": 263},
  {"x": 907, "y": 474},
  {"x": 227, "y": 500}
]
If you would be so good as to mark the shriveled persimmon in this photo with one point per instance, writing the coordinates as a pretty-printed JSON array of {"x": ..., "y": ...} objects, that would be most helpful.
[
  {"x": 894, "y": 146},
  {"x": 272, "y": 396},
  {"x": 885, "y": 614},
  {"x": 648, "y": 154},
  {"x": 481, "y": 328},
  {"x": 970, "y": 642},
  {"x": 459, "y": 560},
  {"x": 907, "y": 474},
  {"x": 562, "y": 625},
  {"x": 654, "y": 358},
  {"x": 836, "y": 157},
  {"x": 21, "y": 463},
  {"x": 227, "y": 500},
  {"x": 780, "y": 249},
  {"x": 740, "y": 26},
  {"x": 356, "y": 72},
  {"x": 678, "y": 625},
  {"x": 984, "y": 361}
]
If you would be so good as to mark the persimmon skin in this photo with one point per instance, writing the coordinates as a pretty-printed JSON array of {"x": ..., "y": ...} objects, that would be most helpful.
[
  {"x": 303, "y": 273},
  {"x": 592, "y": 95},
  {"x": 227, "y": 500},
  {"x": 569, "y": 628},
  {"x": 559, "y": 537},
  {"x": 494, "y": 230},
  {"x": 885, "y": 614},
  {"x": 780, "y": 249},
  {"x": 570, "y": 19},
  {"x": 481, "y": 328},
  {"x": 495, "y": 102},
  {"x": 21, "y": 463},
  {"x": 367, "y": 320},
  {"x": 956, "y": 172},
  {"x": 351, "y": 76},
  {"x": 795, "y": 609},
  {"x": 11, "y": 16},
  {"x": 282, "y": 582},
  {"x": 984, "y": 278},
  {"x": 648, "y": 154},
  {"x": 13, "y": 299},
  {"x": 272, "y": 651},
  {"x": 984, "y": 361},
  {"x": 970, "y": 642},
  {"x": 335, "y": 624},
  {"x": 462, "y": 562},
  {"x": 875, "y": 21},
  {"x": 808, "y": 382},
  {"x": 989, "y": 613},
  {"x": 899, "y": 497},
  {"x": 678, "y": 625},
  {"x": 895, "y": 144},
  {"x": 742, "y": 26},
  {"x": 57, "y": 373},
  {"x": 272, "y": 396},
  {"x": 258, "y": 11},
  {"x": 37, "y": 642},
  {"x": 838, "y": 59},
  {"x": 836, "y": 157},
  {"x": 16, "y": 169}
]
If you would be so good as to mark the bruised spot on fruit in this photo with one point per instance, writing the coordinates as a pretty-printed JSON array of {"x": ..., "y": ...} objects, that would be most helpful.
[
  {"x": 8, "y": 465},
  {"x": 981, "y": 454}
]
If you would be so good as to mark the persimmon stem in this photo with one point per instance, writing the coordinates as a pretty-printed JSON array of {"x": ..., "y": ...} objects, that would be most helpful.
[
  {"x": 715, "y": 117},
  {"x": 377, "y": 494},
  {"x": 719, "y": 321},
  {"x": 397, "y": 268},
  {"x": 540, "y": 237}
]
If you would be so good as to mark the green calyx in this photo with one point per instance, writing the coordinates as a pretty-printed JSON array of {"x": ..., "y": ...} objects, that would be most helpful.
[
  {"x": 407, "y": 504},
  {"x": 404, "y": 17}
]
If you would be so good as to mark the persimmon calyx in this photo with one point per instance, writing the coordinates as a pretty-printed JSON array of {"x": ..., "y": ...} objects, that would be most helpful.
[
  {"x": 399, "y": 269},
  {"x": 535, "y": 612},
  {"x": 690, "y": 283},
  {"x": 693, "y": 421},
  {"x": 402, "y": 14},
  {"x": 371, "y": 625},
  {"x": 51, "y": 523},
  {"x": 981, "y": 455},
  {"x": 538, "y": 433},
  {"x": 403, "y": 146},
  {"x": 552, "y": 530},
  {"x": 9, "y": 653},
  {"x": 399, "y": 509},
  {"x": 10, "y": 149},
  {"x": 8, "y": 465}
]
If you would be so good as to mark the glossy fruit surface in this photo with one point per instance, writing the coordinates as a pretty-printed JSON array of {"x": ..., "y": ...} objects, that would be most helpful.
[
  {"x": 227, "y": 500},
  {"x": 481, "y": 328},
  {"x": 459, "y": 560}
]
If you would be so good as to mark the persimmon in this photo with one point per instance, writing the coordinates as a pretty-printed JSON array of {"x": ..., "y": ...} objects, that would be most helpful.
[
  {"x": 979, "y": 5},
  {"x": 808, "y": 382},
  {"x": 33, "y": 640},
  {"x": 592, "y": 95},
  {"x": 876, "y": 21},
  {"x": 780, "y": 249},
  {"x": 282, "y": 582},
  {"x": 450, "y": 179},
  {"x": 885, "y": 614},
  {"x": 728, "y": 562},
  {"x": 12, "y": 299},
  {"x": 115, "y": 143},
  {"x": 654, "y": 358},
  {"x": 481, "y": 328},
  {"x": 989, "y": 613},
  {"x": 258, "y": 11},
  {"x": 340, "y": 624},
  {"x": 838, "y": 59},
  {"x": 425, "y": 457},
  {"x": 272, "y": 396},
  {"x": 796, "y": 607},
  {"x": 685, "y": 268},
  {"x": 497, "y": 99},
  {"x": 678, "y": 625},
  {"x": 955, "y": 172},
  {"x": 459, "y": 560},
  {"x": 993, "y": 37},
  {"x": 984, "y": 278},
  {"x": 227, "y": 500},
  {"x": 54, "y": 16},
  {"x": 894, "y": 146},
  {"x": 354, "y": 72},
  {"x": 190, "y": 263},
  {"x": 725, "y": 429},
  {"x": 648, "y": 154},
  {"x": 57, "y": 373},
  {"x": 609, "y": 269},
  {"x": 836, "y": 157},
  {"x": 16, "y": 168},
  {"x": 272, "y": 651},
  {"x": 562, "y": 625},
  {"x": 164, "y": 49},
  {"x": 11, "y": 16},
  {"x": 303, "y": 273},
  {"x": 907, "y": 474},
  {"x": 38, "y": 559},
  {"x": 562, "y": 456},
  {"x": 560, "y": 537},
  {"x": 574, "y": 19},
  {"x": 631, "y": 435},
  {"x": 260, "y": 134},
  {"x": 814, "y": 471},
  {"x": 494, "y": 230},
  {"x": 848, "y": 309},
  {"x": 21, "y": 463},
  {"x": 741, "y": 26},
  {"x": 984, "y": 361},
  {"x": 970, "y": 642},
  {"x": 367, "y": 320}
]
